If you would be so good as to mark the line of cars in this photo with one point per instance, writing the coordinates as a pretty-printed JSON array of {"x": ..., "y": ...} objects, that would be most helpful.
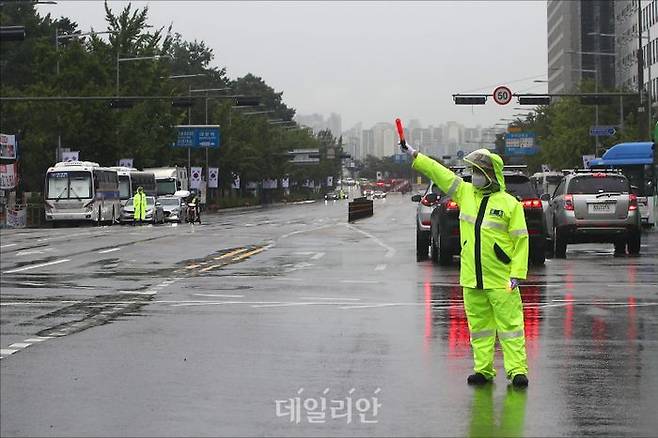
[{"x": 585, "y": 207}]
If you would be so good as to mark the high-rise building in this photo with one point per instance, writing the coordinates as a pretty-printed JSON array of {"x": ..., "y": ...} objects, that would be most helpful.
[
  {"x": 367, "y": 143},
  {"x": 334, "y": 124},
  {"x": 580, "y": 44},
  {"x": 626, "y": 44},
  {"x": 385, "y": 138}
]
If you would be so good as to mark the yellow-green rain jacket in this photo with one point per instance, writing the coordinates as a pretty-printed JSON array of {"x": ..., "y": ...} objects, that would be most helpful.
[
  {"x": 139, "y": 204},
  {"x": 494, "y": 237}
]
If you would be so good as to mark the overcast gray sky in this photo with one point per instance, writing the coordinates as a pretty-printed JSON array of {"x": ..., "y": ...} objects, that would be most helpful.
[{"x": 367, "y": 61}]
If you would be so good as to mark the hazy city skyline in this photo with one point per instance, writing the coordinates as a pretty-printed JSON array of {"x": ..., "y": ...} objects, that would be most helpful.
[{"x": 362, "y": 59}]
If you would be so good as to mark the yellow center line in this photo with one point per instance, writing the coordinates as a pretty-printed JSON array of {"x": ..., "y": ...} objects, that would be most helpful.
[
  {"x": 248, "y": 254},
  {"x": 210, "y": 267},
  {"x": 231, "y": 254}
]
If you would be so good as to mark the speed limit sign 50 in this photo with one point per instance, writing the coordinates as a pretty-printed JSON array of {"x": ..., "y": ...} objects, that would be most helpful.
[{"x": 502, "y": 95}]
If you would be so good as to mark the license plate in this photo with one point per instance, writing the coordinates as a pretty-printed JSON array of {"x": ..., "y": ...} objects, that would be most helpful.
[{"x": 602, "y": 208}]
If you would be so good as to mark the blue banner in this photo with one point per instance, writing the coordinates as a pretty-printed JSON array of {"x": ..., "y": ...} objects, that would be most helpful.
[{"x": 199, "y": 137}]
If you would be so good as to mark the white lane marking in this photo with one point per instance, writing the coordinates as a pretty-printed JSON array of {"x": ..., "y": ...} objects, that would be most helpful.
[
  {"x": 33, "y": 251},
  {"x": 39, "y": 339},
  {"x": 7, "y": 352},
  {"x": 371, "y": 306},
  {"x": 134, "y": 292},
  {"x": 360, "y": 281},
  {"x": 318, "y": 256},
  {"x": 31, "y": 283},
  {"x": 331, "y": 298},
  {"x": 303, "y": 253},
  {"x": 40, "y": 265},
  {"x": 20, "y": 345},
  {"x": 109, "y": 250},
  {"x": 390, "y": 251},
  {"x": 219, "y": 295},
  {"x": 8, "y": 245},
  {"x": 380, "y": 267},
  {"x": 285, "y": 236},
  {"x": 281, "y": 305}
]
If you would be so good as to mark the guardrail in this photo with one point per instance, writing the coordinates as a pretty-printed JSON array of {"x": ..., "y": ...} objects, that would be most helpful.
[{"x": 359, "y": 209}]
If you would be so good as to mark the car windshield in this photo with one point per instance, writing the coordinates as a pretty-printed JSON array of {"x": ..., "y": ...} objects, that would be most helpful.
[
  {"x": 590, "y": 184},
  {"x": 150, "y": 201},
  {"x": 69, "y": 185},
  {"x": 519, "y": 186}
]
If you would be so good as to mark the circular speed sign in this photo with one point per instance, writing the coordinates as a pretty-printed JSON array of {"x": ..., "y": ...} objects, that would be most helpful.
[{"x": 502, "y": 95}]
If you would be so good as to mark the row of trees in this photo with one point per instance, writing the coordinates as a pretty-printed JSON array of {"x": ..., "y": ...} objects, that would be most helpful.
[
  {"x": 562, "y": 128},
  {"x": 44, "y": 65}
]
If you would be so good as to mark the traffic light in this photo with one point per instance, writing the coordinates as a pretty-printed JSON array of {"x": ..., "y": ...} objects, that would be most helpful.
[
  {"x": 470, "y": 100},
  {"x": 595, "y": 100},
  {"x": 247, "y": 101},
  {"x": 12, "y": 33},
  {"x": 121, "y": 103},
  {"x": 534, "y": 100},
  {"x": 181, "y": 102}
]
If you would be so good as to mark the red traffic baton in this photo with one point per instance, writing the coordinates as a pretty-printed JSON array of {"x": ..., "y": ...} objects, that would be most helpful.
[{"x": 403, "y": 142}]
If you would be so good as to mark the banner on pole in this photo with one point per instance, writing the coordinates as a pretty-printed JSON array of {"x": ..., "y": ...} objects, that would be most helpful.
[
  {"x": 8, "y": 176},
  {"x": 213, "y": 177},
  {"x": 330, "y": 181},
  {"x": 236, "y": 180},
  {"x": 285, "y": 183},
  {"x": 586, "y": 160},
  {"x": 71, "y": 156},
  {"x": 126, "y": 162},
  {"x": 7, "y": 147},
  {"x": 195, "y": 178}
]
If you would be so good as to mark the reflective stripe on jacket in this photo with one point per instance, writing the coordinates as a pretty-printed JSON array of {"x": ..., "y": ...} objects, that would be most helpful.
[{"x": 493, "y": 233}]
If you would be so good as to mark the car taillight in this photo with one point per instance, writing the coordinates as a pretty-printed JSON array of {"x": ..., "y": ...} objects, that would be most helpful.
[
  {"x": 452, "y": 205},
  {"x": 568, "y": 202},
  {"x": 632, "y": 202},
  {"x": 532, "y": 203},
  {"x": 427, "y": 203}
]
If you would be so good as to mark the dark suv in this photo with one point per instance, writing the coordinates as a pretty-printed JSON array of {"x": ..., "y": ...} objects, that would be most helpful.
[{"x": 444, "y": 242}]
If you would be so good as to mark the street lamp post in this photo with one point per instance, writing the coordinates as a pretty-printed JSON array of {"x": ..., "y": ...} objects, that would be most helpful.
[{"x": 137, "y": 58}]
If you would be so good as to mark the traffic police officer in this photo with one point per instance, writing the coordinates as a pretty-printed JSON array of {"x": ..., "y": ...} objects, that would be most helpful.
[
  {"x": 494, "y": 257},
  {"x": 139, "y": 205}
]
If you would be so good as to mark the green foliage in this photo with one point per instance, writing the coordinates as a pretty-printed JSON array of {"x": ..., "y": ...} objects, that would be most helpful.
[
  {"x": 87, "y": 66},
  {"x": 562, "y": 129}
]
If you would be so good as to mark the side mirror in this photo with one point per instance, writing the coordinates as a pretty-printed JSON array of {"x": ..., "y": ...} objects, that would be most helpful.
[
  {"x": 431, "y": 197},
  {"x": 545, "y": 197},
  {"x": 158, "y": 203},
  {"x": 416, "y": 198}
]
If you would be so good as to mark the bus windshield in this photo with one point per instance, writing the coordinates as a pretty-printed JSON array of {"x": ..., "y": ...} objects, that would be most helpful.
[
  {"x": 166, "y": 186},
  {"x": 124, "y": 187},
  {"x": 69, "y": 185}
]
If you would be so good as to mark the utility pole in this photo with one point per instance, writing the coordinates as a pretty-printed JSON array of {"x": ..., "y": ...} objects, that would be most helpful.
[{"x": 640, "y": 69}]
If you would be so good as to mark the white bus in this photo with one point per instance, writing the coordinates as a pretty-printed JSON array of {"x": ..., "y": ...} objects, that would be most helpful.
[
  {"x": 131, "y": 178},
  {"x": 81, "y": 191},
  {"x": 169, "y": 179}
]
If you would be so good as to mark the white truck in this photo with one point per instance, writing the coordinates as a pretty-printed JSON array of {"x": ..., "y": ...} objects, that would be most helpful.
[{"x": 170, "y": 179}]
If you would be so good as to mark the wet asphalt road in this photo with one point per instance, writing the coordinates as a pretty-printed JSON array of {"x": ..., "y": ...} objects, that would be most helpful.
[{"x": 200, "y": 330}]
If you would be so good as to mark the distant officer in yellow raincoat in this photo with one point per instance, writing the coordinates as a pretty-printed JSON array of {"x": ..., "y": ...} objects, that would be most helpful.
[
  {"x": 139, "y": 204},
  {"x": 494, "y": 258}
]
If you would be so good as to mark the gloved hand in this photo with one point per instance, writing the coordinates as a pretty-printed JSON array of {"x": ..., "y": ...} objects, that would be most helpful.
[
  {"x": 513, "y": 284},
  {"x": 409, "y": 150}
]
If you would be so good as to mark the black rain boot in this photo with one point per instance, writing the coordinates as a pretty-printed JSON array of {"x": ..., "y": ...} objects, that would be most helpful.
[
  {"x": 520, "y": 381},
  {"x": 477, "y": 379}
]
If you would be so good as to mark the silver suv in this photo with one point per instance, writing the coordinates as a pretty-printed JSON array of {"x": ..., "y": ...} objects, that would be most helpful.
[{"x": 594, "y": 206}]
